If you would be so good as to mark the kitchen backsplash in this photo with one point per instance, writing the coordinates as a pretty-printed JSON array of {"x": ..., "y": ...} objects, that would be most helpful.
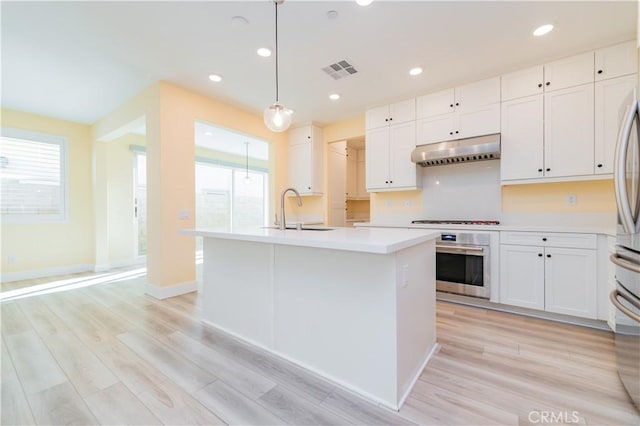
[{"x": 462, "y": 191}]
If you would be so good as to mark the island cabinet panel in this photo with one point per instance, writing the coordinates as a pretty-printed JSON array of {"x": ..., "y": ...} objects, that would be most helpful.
[
  {"x": 364, "y": 320},
  {"x": 241, "y": 286}
]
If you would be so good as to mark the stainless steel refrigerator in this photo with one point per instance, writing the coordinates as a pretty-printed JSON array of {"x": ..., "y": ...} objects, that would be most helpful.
[{"x": 626, "y": 296}]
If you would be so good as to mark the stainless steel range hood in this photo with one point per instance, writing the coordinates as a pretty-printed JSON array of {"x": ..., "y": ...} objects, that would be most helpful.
[{"x": 479, "y": 148}]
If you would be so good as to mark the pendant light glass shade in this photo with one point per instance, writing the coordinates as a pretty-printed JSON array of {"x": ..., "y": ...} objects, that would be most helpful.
[{"x": 277, "y": 117}]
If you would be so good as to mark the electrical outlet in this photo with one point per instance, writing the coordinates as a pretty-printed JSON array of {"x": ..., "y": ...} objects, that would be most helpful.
[
  {"x": 183, "y": 215},
  {"x": 407, "y": 204},
  {"x": 572, "y": 199}
]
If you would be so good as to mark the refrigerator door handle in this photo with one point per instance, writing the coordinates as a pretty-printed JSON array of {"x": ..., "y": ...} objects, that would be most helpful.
[
  {"x": 623, "y": 263},
  {"x": 628, "y": 312},
  {"x": 620, "y": 170}
]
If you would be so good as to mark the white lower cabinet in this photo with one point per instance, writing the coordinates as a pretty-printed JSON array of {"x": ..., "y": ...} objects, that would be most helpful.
[
  {"x": 547, "y": 276},
  {"x": 522, "y": 276}
]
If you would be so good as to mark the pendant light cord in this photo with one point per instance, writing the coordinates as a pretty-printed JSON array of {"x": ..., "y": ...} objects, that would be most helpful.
[{"x": 276, "y": 3}]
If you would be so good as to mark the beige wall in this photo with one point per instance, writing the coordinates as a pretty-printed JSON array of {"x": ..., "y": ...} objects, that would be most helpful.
[
  {"x": 592, "y": 197},
  {"x": 170, "y": 113},
  {"x": 43, "y": 246}
]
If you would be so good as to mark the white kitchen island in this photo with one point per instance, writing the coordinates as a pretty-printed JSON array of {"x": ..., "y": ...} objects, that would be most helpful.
[{"x": 354, "y": 305}]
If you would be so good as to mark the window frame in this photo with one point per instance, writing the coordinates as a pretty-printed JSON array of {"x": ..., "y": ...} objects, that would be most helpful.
[{"x": 63, "y": 142}]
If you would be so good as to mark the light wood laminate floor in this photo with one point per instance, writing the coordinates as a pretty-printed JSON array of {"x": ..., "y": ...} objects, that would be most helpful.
[{"x": 94, "y": 349}]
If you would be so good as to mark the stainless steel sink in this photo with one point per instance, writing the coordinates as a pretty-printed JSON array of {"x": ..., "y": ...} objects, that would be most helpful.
[{"x": 304, "y": 228}]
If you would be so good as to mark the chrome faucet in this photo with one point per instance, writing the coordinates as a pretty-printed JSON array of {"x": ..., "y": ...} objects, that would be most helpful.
[{"x": 283, "y": 222}]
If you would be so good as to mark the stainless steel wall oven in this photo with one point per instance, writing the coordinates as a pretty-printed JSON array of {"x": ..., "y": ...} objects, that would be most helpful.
[{"x": 463, "y": 264}]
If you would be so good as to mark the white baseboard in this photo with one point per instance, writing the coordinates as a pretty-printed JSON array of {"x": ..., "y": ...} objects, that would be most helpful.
[
  {"x": 47, "y": 272},
  {"x": 103, "y": 267},
  {"x": 170, "y": 291}
]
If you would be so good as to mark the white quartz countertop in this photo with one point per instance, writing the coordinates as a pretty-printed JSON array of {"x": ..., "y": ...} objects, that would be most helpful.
[
  {"x": 518, "y": 228},
  {"x": 366, "y": 240}
]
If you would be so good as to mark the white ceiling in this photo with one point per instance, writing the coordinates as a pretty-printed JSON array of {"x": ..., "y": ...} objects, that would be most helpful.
[{"x": 80, "y": 60}]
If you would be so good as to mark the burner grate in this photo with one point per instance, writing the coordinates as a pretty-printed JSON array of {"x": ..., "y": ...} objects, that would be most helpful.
[{"x": 456, "y": 222}]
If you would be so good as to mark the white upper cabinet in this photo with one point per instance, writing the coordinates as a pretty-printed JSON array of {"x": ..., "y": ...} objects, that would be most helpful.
[
  {"x": 462, "y": 112},
  {"x": 612, "y": 96},
  {"x": 463, "y": 98},
  {"x": 306, "y": 160},
  {"x": 616, "y": 61},
  {"x": 522, "y": 139},
  {"x": 399, "y": 112},
  {"x": 437, "y": 103},
  {"x": 568, "y": 132},
  {"x": 523, "y": 83},
  {"x": 568, "y": 72},
  {"x": 477, "y": 95},
  {"x": 388, "y": 158}
]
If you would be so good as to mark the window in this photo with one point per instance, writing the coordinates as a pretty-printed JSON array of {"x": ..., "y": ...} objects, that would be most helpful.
[
  {"x": 231, "y": 179},
  {"x": 33, "y": 175}
]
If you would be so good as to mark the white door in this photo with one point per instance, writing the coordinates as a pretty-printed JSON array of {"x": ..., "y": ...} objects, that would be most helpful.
[
  {"x": 611, "y": 99},
  {"x": 616, "y": 61},
  {"x": 140, "y": 203},
  {"x": 570, "y": 282},
  {"x": 568, "y": 131},
  {"x": 433, "y": 104},
  {"x": 337, "y": 184},
  {"x": 401, "y": 112},
  {"x": 402, "y": 142},
  {"x": 523, "y": 83},
  {"x": 522, "y": 276},
  {"x": 522, "y": 138},
  {"x": 377, "y": 154},
  {"x": 478, "y": 94}
]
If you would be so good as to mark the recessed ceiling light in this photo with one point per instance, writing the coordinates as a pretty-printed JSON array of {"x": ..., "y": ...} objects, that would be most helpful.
[
  {"x": 415, "y": 71},
  {"x": 542, "y": 30},
  {"x": 208, "y": 134},
  {"x": 215, "y": 77},
  {"x": 264, "y": 52},
  {"x": 334, "y": 96},
  {"x": 364, "y": 2},
  {"x": 332, "y": 14}
]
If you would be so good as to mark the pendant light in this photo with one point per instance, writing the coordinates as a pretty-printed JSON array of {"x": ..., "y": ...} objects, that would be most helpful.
[
  {"x": 277, "y": 117},
  {"x": 247, "y": 179}
]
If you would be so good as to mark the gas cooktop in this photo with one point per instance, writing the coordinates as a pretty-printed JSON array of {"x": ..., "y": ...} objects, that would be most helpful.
[{"x": 457, "y": 222}]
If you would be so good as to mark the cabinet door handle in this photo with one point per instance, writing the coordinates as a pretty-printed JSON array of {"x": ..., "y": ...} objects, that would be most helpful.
[
  {"x": 548, "y": 169},
  {"x": 548, "y": 83},
  {"x": 549, "y": 255},
  {"x": 386, "y": 119},
  {"x": 539, "y": 84},
  {"x": 457, "y": 132},
  {"x": 386, "y": 181},
  {"x": 450, "y": 133},
  {"x": 451, "y": 106},
  {"x": 390, "y": 181},
  {"x": 539, "y": 254},
  {"x": 599, "y": 165},
  {"x": 600, "y": 71},
  {"x": 540, "y": 170},
  {"x": 544, "y": 238},
  {"x": 457, "y": 104}
]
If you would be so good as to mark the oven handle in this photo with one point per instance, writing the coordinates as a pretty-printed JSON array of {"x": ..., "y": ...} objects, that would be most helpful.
[
  {"x": 628, "y": 312},
  {"x": 454, "y": 250},
  {"x": 623, "y": 263}
]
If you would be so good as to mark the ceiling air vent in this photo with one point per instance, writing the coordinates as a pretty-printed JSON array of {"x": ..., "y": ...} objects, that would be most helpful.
[{"x": 340, "y": 69}]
